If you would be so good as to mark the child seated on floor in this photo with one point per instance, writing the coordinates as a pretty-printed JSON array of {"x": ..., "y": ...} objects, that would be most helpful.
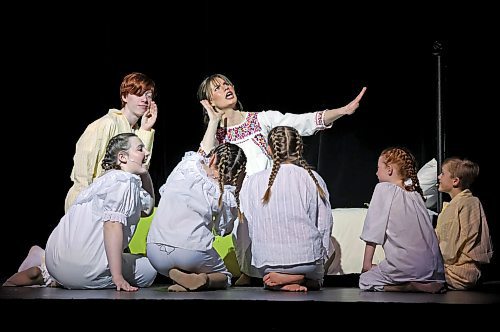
[
  {"x": 198, "y": 199},
  {"x": 86, "y": 249},
  {"x": 462, "y": 228},
  {"x": 32, "y": 271},
  {"x": 398, "y": 220},
  {"x": 288, "y": 216}
]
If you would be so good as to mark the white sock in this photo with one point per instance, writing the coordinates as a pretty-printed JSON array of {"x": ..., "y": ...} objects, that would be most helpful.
[{"x": 34, "y": 258}]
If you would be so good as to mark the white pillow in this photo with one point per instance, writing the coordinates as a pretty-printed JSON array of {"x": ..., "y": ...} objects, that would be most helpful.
[
  {"x": 349, "y": 248},
  {"x": 427, "y": 176}
]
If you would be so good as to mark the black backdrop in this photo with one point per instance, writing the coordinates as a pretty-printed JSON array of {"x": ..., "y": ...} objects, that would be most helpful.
[{"x": 64, "y": 71}]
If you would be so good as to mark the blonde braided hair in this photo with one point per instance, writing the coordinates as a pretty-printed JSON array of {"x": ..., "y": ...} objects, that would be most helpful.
[
  {"x": 231, "y": 165},
  {"x": 287, "y": 146}
]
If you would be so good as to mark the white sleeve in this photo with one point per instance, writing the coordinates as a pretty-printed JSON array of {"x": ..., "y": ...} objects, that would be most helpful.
[
  {"x": 120, "y": 200},
  {"x": 228, "y": 213},
  {"x": 378, "y": 213},
  {"x": 306, "y": 124},
  {"x": 325, "y": 218},
  {"x": 246, "y": 195}
]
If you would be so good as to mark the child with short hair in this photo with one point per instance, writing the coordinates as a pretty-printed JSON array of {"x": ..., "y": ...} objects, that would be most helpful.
[{"x": 462, "y": 228}]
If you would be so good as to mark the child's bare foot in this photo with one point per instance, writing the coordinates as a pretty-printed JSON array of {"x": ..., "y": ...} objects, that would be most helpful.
[
  {"x": 29, "y": 277},
  {"x": 414, "y": 286},
  {"x": 190, "y": 281},
  {"x": 243, "y": 280},
  {"x": 275, "y": 279},
  {"x": 430, "y": 287},
  {"x": 287, "y": 288},
  {"x": 294, "y": 288},
  {"x": 176, "y": 288},
  {"x": 8, "y": 283}
]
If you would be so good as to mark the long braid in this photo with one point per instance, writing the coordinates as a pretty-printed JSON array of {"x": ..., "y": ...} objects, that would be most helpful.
[
  {"x": 277, "y": 140},
  {"x": 287, "y": 146},
  {"x": 298, "y": 153},
  {"x": 222, "y": 169},
  {"x": 303, "y": 163},
  {"x": 411, "y": 170},
  {"x": 240, "y": 176}
]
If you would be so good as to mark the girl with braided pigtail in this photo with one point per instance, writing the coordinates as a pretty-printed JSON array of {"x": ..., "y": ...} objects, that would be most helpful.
[
  {"x": 290, "y": 224},
  {"x": 199, "y": 198},
  {"x": 398, "y": 220},
  {"x": 283, "y": 139}
]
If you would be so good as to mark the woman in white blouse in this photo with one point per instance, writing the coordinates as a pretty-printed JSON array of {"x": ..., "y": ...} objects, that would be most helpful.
[
  {"x": 85, "y": 250},
  {"x": 199, "y": 198},
  {"x": 289, "y": 217},
  {"x": 226, "y": 122}
]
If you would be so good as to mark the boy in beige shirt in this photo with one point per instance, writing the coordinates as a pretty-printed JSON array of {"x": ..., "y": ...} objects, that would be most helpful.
[
  {"x": 137, "y": 115},
  {"x": 462, "y": 228}
]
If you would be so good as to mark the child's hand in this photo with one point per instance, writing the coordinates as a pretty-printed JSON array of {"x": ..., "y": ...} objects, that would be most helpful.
[
  {"x": 365, "y": 269},
  {"x": 121, "y": 283}
]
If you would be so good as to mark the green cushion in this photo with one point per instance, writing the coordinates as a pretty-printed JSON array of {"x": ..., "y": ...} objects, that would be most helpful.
[
  {"x": 222, "y": 244},
  {"x": 225, "y": 248},
  {"x": 138, "y": 243}
]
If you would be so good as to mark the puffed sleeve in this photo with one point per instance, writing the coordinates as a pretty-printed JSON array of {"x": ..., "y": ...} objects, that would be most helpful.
[
  {"x": 377, "y": 215},
  {"x": 121, "y": 199}
]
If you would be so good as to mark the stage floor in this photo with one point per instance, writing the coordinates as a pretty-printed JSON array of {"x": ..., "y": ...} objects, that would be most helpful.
[
  {"x": 241, "y": 306},
  {"x": 490, "y": 295}
]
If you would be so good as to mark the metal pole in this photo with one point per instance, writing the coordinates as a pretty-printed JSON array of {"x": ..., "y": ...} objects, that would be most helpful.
[{"x": 438, "y": 52}]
